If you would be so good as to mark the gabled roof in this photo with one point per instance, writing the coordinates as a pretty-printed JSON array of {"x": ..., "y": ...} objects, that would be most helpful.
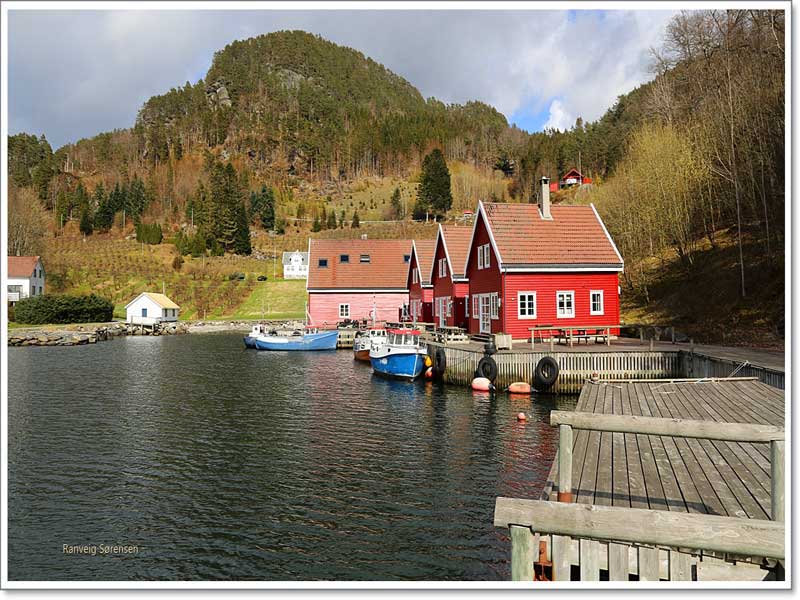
[
  {"x": 159, "y": 299},
  {"x": 456, "y": 245},
  {"x": 572, "y": 172},
  {"x": 387, "y": 268},
  {"x": 424, "y": 250},
  {"x": 21, "y": 266},
  {"x": 287, "y": 257},
  {"x": 575, "y": 238}
]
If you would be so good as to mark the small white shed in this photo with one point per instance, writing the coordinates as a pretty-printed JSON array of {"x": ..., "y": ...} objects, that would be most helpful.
[{"x": 149, "y": 308}]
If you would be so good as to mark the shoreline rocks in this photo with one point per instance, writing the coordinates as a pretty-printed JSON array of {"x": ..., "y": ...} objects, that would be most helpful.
[{"x": 90, "y": 334}]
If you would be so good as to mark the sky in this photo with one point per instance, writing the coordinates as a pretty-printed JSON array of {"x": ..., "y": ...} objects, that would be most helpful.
[{"x": 76, "y": 73}]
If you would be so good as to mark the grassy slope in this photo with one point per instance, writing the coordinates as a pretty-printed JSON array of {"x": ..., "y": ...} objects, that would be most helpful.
[
  {"x": 705, "y": 300},
  {"x": 274, "y": 300}
]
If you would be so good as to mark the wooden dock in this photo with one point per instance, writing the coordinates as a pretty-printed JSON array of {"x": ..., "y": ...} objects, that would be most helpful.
[{"x": 719, "y": 454}]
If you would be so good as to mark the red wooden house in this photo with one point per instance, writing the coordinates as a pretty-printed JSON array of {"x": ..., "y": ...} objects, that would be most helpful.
[
  {"x": 356, "y": 279},
  {"x": 573, "y": 177},
  {"x": 532, "y": 264},
  {"x": 418, "y": 281},
  {"x": 450, "y": 286}
]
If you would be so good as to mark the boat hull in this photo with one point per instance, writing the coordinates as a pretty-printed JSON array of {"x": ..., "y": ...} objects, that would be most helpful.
[
  {"x": 310, "y": 341},
  {"x": 361, "y": 355},
  {"x": 398, "y": 364},
  {"x": 249, "y": 341}
]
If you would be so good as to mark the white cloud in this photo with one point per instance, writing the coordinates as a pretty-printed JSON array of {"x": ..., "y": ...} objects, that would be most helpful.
[
  {"x": 73, "y": 74},
  {"x": 559, "y": 118}
]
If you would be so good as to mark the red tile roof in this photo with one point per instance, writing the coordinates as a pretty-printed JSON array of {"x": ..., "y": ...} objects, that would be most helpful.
[
  {"x": 21, "y": 266},
  {"x": 574, "y": 236},
  {"x": 386, "y": 268},
  {"x": 457, "y": 241},
  {"x": 425, "y": 251}
]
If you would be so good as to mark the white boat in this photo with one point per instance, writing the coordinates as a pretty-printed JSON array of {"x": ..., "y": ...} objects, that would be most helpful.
[
  {"x": 402, "y": 356},
  {"x": 365, "y": 340}
]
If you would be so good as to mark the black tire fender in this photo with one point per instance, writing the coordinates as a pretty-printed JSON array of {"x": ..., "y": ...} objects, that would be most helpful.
[
  {"x": 439, "y": 362},
  {"x": 487, "y": 368},
  {"x": 546, "y": 373}
]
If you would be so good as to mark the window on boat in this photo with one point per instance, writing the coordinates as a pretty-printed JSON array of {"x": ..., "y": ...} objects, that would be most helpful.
[
  {"x": 364, "y": 258},
  {"x": 344, "y": 258},
  {"x": 323, "y": 263}
]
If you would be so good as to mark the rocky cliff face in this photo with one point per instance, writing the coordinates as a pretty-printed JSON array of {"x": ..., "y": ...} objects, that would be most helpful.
[{"x": 217, "y": 95}]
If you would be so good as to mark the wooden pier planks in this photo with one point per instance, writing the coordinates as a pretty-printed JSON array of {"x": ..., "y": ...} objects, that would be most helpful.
[{"x": 672, "y": 473}]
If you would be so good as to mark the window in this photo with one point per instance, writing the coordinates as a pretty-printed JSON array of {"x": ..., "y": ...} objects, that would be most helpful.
[
  {"x": 484, "y": 256},
  {"x": 480, "y": 257},
  {"x": 449, "y": 302},
  {"x": 494, "y": 306},
  {"x": 364, "y": 258},
  {"x": 466, "y": 306},
  {"x": 596, "y": 302},
  {"x": 526, "y": 305},
  {"x": 442, "y": 267},
  {"x": 323, "y": 263},
  {"x": 475, "y": 300},
  {"x": 15, "y": 289},
  {"x": 406, "y": 258},
  {"x": 565, "y": 305},
  {"x": 344, "y": 258},
  {"x": 144, "y": 312},
  {"x": 344, "y": 310},
  {"x": 414, "y": 276}
]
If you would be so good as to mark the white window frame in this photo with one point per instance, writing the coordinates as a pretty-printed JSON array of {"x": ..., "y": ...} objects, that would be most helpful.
[
  {"x": 480, "y": 257},
  {"x": 527, "y": 305},
  {"x": 487, "y": 258},
  {"x": 449, "y": 307},
  {"x": 442, "y": 267},
  {"x": 414, "y": 276},
  {"x": 476, "y": 298},
  {"x": 571, "y": 294},
  {"x": 466, "y": 306},
  {"x": 602, "y": 310},
  {"x": 494, "y": 306},
  {"x": 344, "y": 314}
]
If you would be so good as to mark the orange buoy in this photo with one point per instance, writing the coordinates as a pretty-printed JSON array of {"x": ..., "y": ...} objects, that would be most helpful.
[
  {"x": 481, "y": 384},
  {"x": 429, "y": 373},
  {"x": 522, "y": 416},
  {"x": 519, "y": 387}
]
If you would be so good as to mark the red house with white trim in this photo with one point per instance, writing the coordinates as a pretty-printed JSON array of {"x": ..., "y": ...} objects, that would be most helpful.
[
  {"x": 532, "y": 264},
  {"x": 356, "y": 279},
  {"x": 420, "y": 290},
  {"x": 450, "y": 286}
]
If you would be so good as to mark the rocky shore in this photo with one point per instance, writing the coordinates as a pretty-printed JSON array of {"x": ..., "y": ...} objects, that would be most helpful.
[{"x": 88, "y": 334}]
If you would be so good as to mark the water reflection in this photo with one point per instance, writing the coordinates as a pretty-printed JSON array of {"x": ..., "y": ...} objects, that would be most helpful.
[{"x": 222, "y": 463}]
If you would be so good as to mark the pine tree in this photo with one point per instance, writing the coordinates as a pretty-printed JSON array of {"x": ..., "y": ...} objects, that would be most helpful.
[
  {"x": 356, "y": 223},
  {"x": 332, "y": 219},
  {"x": 434, "y": 188},
  {"x": 242, "y": 242},
  {"x": 396, "y": 205},
  {"x": 316, "y": 226},
  {"x": 86, "y": 221}
]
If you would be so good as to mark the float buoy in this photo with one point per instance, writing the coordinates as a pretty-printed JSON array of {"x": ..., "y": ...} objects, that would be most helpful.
[
  {"x": 429, "y": 373},
  {"x": 519, "y": 387},
  {"x": 482, "y": 384},
  {"x": 522, "y": 416},
  {"x": 428, "y": 362}
]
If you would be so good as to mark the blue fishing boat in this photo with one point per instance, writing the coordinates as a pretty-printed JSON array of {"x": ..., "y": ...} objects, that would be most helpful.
[
  {"x": 298, "y": 340},
  {"x": 250, "y": 339},
  {"x": 402, "y": 356}
]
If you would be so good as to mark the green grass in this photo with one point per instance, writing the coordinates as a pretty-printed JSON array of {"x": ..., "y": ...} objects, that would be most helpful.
[{"x": 274, "y": 300}]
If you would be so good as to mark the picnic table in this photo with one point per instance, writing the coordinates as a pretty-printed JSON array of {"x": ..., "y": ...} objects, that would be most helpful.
[{"x": 566, "y": 334}]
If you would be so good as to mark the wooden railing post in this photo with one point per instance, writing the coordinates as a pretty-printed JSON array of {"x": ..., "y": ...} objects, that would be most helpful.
[
  {"x": 776, "y": 459},
  {"x": 522, "y": 553},
  {"x": 565, "y": 463}
]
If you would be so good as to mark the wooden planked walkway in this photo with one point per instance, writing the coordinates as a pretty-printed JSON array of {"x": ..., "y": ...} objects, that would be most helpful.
[{"x": 671, "y": 473}]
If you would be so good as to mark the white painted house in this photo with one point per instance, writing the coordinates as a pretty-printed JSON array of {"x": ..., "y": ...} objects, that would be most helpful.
[
  {"x": 295, "y": 265},
  {"x": 149, "y": 308},
  {"x": 25, "y": 277}
]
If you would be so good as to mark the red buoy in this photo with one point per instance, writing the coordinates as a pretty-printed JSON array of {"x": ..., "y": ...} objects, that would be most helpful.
[
  {"x": 481, "y": 384},
  {"x": 522, "y": 416},
  {"x": 519, "y": 387}
]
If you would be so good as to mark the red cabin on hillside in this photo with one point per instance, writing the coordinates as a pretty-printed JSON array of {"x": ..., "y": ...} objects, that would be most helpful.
[
  {"x": 450, "y": 286},
  {"x": 531, "y": 265},
  {"x": 356, "y": 279},
  {"x": 573, "y": 177},
  {"x": 420, "y": 289}
]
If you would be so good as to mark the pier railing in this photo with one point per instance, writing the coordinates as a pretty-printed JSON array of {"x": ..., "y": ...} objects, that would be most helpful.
[
  {"x": 612, "y": 525},
  {"x": 625, "y": 534}
]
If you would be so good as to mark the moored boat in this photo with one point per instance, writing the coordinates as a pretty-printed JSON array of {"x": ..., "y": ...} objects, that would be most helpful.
[
  {"x": 298, "y": 340},
  {"x": 250, "y": 339},
  {"x": 365, "y": 340},
  {"x": 402, "y": 356}
]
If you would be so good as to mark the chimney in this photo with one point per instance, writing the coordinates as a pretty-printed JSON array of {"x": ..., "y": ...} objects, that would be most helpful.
[{"x": 544, "y": 200}]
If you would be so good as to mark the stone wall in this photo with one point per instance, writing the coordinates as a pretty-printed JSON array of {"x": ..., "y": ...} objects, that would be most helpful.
[{"x": 89, "y": 334}]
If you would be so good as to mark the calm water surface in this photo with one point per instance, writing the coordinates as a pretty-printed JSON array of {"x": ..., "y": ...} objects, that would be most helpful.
[{"x": 222, "y": 463}]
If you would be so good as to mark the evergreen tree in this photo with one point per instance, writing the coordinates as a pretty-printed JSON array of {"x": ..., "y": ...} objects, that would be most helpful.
[
  {"x": 86, "y": 221},
  {"x": 324, "y": 219},
  {"x": 104, "y": 215},
  {"x": 242, "y": 242},
  {"x": 397, "y": 205},
  {"x": 356, "y": 223},
  {"x": 434, "y": 188},
  {"x": 332, "y": 219},
  {"x": 316, "y": 226}
]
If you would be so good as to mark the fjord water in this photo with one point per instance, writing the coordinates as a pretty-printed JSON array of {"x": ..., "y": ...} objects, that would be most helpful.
[{"x": 221, "y": 463}]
